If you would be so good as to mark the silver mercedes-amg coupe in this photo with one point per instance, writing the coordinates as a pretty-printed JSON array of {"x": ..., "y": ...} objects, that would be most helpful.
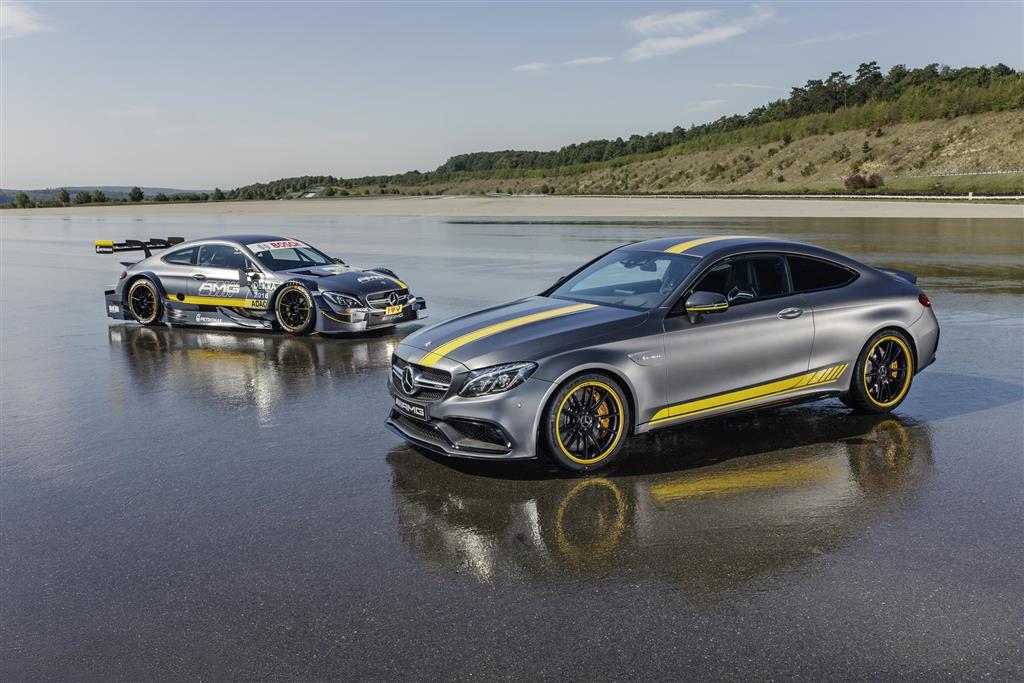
[
  {"x": 656, "y": 334},
  {"x": 254, "y": 281}
]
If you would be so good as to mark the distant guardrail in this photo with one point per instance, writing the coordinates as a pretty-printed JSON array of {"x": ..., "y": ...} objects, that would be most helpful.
[
  {"x": 960, "y": 197},
  {"x": 956, "y": 174}
]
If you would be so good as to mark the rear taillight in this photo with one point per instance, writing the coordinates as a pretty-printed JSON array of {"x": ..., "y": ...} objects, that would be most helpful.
[
  {"x": 925, "y": 301},
  {"x": 124, "y": 274}
]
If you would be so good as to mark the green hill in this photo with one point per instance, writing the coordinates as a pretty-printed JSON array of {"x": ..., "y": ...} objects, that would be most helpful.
[{"x": 832, "y": 135}]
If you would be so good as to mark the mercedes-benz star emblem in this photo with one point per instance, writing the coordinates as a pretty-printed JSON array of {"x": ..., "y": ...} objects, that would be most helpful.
[
  {"x": 393, "y": 299},
  {"x": 409, "y": 381}
]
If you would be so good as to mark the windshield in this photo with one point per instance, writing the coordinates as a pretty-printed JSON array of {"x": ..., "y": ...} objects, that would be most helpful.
[
  {"x": 287, "y": 255},
  {"x": 627, "y": 278}
]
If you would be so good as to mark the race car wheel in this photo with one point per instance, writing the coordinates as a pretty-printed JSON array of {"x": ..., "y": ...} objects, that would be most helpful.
[
  {"x": 586, "y": 423},
  {"x": 882, "y": 376},
  {"x": 144, "y": 302},
  {"x": 295, "y": 309}
]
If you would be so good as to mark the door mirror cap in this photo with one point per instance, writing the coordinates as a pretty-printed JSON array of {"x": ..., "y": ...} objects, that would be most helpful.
[
  {"x": 250, "y": 274},
  {"x": 702, "y": 303}
]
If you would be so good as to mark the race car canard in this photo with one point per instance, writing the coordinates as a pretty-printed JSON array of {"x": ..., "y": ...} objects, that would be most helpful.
[{"x": 254, "y": 281}]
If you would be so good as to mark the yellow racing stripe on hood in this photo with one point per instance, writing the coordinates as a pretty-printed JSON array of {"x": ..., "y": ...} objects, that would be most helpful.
[
  {"x": 683, "y": 247},
  {"x": 444, "y": 349}
]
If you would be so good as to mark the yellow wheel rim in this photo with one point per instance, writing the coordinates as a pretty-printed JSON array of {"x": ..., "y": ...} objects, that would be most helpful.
[
  {"x": 589, "y": 423},
  {"x": 888, "y": 368}
]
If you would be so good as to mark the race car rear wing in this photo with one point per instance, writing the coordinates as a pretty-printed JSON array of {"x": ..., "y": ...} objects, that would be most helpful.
[{"x": 109, "y": 247}]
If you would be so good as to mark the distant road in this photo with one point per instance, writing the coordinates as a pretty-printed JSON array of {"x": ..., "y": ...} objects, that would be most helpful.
[{"x": 479, "y": 206}]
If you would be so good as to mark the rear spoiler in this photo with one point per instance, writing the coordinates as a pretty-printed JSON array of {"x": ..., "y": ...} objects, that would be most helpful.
[
  {"x": 902, "y": 274},
  {"x": 109, "y": 247}
]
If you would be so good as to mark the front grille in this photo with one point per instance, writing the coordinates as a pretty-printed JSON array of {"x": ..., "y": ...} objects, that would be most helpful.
[
  {"x": 442, "y": 379},
  {"x": 379, "y": 300},
  {"x": 415, "y": 428}
]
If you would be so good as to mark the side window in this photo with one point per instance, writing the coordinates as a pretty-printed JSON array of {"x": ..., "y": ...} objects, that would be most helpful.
[
  {"x": 810, "y": 274},
  {"x": 769, "y": 276},
  {"x": 747, "y": 278},
  {"x": 222, "y": 256},
  {"x": 182, "y": 257}
]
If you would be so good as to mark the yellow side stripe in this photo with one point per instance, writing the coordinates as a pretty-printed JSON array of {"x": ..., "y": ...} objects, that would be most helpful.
[
  {"x": 685, "y": 246},
  {"x": 441, "y": 351},
  {"x": 733, "y": 398},
  {"x": 227, "y": 302}
]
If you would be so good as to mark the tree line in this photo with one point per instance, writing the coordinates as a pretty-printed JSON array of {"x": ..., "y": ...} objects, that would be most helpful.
[
  {"x": 22, "y": 200},
  {"x": 867, "y": 98}
]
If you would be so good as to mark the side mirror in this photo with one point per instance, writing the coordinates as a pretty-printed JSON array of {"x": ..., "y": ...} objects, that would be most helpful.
[
  {"x": 249, "y": 274},
  {"x": 337, "y": 260},
  {"x": 702, "y": 303}
]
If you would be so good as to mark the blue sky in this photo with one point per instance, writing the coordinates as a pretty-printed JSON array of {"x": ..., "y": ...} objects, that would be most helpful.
[{"x": 196, "y": 95}]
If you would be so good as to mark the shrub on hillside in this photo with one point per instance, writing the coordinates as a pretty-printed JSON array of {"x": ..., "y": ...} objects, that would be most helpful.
[{"x": 862, "y": 182}]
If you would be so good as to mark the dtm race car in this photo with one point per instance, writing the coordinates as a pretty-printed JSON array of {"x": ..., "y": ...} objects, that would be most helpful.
[{"x": 254, "y": 281}]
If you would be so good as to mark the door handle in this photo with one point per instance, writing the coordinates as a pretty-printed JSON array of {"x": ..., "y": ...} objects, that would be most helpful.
[
  {"x": 200, "y": 276},
  {"x": 790, "y": 313}
]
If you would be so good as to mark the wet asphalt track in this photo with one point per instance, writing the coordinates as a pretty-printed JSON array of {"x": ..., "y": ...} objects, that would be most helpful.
[{"x": 187, "y": 503}]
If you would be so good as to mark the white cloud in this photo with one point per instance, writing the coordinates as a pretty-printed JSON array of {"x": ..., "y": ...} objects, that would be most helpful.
[
  {"x": 658, "y": 47},
  {"x": 834, "y": 38},
  {"x": 532, "y": 67},
  {"x": 747, "y": 86},
  {"x": 134, "y": 112},
  {"x": 704, "y": 105},
  {"x": 695, "y": 27},
  {"x": 680, "y": 22},
  {"x": 17, "y": 20},
  {"x": 581, "y": 61}
]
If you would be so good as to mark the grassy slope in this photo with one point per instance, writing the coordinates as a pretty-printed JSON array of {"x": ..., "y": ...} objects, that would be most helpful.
[{"x": 982, "y": 142}]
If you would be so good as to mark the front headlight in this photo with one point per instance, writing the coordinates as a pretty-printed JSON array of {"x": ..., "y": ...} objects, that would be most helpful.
[
  {"x": 496, "y": 379},
  {"x": 343, "y": 300}
]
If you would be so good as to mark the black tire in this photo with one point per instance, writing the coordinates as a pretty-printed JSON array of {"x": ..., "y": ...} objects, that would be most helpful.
[
  {"x": 586, "y": 423},
  {"x": 143, "y": 301},
  {"x": 883, "y": 374},
  {"x": 294, "y": 309}
]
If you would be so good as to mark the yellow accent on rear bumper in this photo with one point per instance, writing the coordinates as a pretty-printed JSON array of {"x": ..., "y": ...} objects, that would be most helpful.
[{"x": 444, "y": 349}]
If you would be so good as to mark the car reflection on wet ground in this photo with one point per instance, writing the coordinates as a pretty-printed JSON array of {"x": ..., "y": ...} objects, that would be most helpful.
[
  {"x": 814, "y": 484},
  {"x": 205, "y": 503}
]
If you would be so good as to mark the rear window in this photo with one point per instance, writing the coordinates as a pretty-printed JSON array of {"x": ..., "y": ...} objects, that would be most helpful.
[
  {"x": 810, "y": 274},
  {"x": 182, "y": 257}
]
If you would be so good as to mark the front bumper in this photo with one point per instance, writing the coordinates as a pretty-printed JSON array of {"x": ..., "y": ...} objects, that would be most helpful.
[
  {"x": 499, "y": 427},
  {"x": 361, "y": 319}
]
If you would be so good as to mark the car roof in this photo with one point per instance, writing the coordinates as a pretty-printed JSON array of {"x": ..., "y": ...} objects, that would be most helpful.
[
  {"x": 243, "y": 239},
  {"x": 722, "y": 245}
]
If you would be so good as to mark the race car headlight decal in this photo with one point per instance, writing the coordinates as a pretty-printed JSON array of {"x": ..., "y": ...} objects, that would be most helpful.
[
  {"x": 496, "y": 379},
  {"x": 343, "y": 300}
]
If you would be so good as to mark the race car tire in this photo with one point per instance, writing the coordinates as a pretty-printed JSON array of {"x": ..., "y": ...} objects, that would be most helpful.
[
  {"x": 294, "y": 309},
  {"x": 586, "y": 423},
  {"x": 143, "y": 302},
  {"x": 882, "y": 375}
]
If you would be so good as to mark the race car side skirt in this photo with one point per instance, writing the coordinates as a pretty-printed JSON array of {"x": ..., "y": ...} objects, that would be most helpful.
[{"x": 219, "y": 317}]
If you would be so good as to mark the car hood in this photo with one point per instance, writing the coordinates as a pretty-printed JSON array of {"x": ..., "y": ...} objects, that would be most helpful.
[
  {"x": 342, "y": 278},
  {"x": 527, "y": 329}
]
